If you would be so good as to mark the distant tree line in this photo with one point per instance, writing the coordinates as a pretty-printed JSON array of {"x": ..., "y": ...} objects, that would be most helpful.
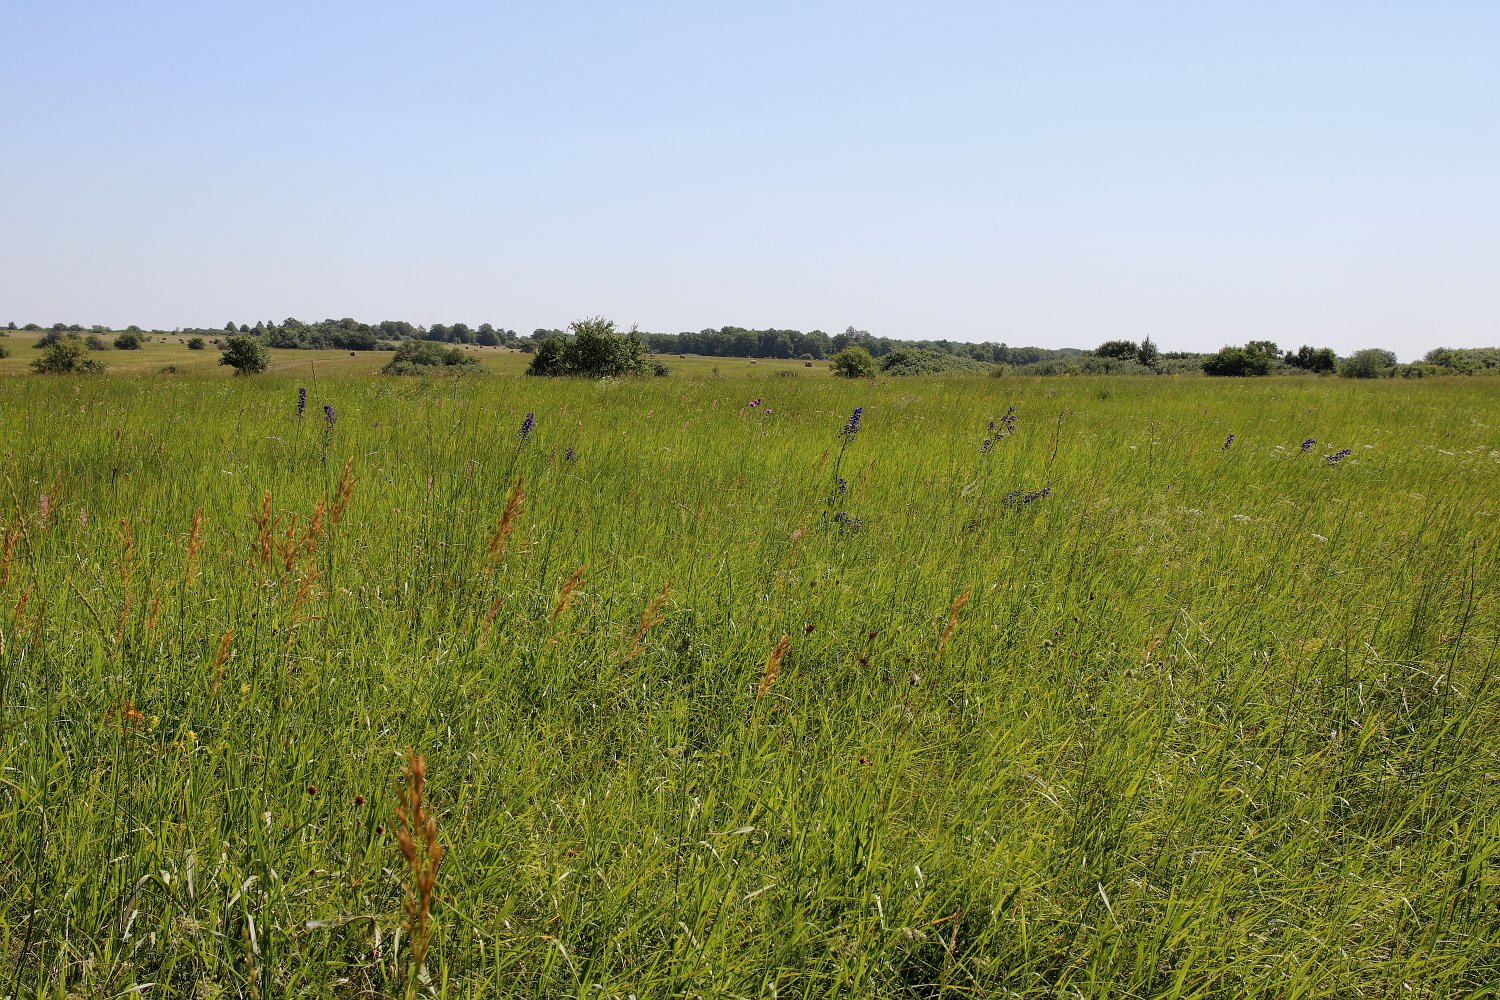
[{"x": 891, "y": 356}]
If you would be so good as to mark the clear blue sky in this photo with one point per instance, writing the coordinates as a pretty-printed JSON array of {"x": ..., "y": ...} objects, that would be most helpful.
[{"x": 1040, "y": 173}]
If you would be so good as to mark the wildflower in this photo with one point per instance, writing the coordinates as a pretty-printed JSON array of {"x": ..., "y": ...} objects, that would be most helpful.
[
  {"x": 359, "y": 800},
  {"x": 843, "y": 486},
  {"x": 851, "y": 428},
  {"x": 1018, "y": 498},
  {"x": 754, "y": 403},
  {"x": 328, "y": 414},
  {"x": 848, "y": 521},
  {"x": 1308, "y": 444},
  {"x": 1338, "y": 457},
  {"x": 1228, "y": 441},
  {"x": 527, "y": 425},
  {"x": 301, "y": 400},
  {"x": 998, "y": 432},
  {"x": 570, "y": 455}
]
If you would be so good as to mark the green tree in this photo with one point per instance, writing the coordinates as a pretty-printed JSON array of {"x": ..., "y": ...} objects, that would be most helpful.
[
  {"x": 1312, "y": 359},
  {"x": 1148, "y": 354},
  {"x": 128, "y": 341},
  {"x": 246, "y": 355},
  {"x": 1372, "y": 362},
  {"x": 853, "y": 362},
  {"x": 1121, "y": 349},
  {"x": 596, "y": 350}
]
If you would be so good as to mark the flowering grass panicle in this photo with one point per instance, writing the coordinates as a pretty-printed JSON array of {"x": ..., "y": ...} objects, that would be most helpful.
[
  {"x": 417, "y": 836},
  {"x": 773, "y": 666}
]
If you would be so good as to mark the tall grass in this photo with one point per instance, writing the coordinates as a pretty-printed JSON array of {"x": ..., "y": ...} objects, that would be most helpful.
[{"x": 1106, "y": 710}]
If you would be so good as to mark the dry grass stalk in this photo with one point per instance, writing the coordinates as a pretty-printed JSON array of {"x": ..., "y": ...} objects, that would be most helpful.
[
  {"x": 289, "y": 545},
  {"x": 650, "y": 617},
  {"x": 417, "y": 835},
  {"x": 194, "y": 543},
  {"x": 1154, "y": 642},
  {"x": 773, "y": 666},
  {"x": 495, "y": 550},
  {"x": 568, "y": 593},
  {"x": 958, "y": 603},
  {"x": 342, "y": 492},
  {"x": 265, "y": 525},
  {"x": 20, "y": 611},
  {"x": 8, "y": 552},
  {"x": 127, "y": 568},
  {"x": 489, "y": 618},
  {"x": 220, "y": 660}
]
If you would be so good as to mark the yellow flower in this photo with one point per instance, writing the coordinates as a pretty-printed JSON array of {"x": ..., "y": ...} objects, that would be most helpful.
[
  {"x": 244, "y": 689},
  {"x": 155, "y": 721}
]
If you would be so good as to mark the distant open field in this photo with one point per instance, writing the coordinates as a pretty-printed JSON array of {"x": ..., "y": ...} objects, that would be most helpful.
[
  {"x": 723, "y": 692},
  {"x": 154, "y": 355}
]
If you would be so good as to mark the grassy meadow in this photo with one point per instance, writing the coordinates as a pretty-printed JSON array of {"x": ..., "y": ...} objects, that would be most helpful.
[{"x": 1106, "y": 709}]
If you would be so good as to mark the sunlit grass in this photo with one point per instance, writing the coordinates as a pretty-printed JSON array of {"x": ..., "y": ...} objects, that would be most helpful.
[{"x": 1211, "y": 722}]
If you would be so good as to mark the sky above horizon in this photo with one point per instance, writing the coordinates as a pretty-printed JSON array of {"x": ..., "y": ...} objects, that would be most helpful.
[{"x": 1038, "y": 174}]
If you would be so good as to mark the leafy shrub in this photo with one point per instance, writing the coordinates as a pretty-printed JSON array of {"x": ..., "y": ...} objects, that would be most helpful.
[
  {"x": 596, "y": 351},
  {"x": 246, "y": 355},
  {"x": 1465, "y": 360},
  {"x": 1312, "y": 359},
  {"x": 1237, "y": 362},
  {"x": 917, "y": 361},
  {"x": 128, "y": 341},
  {"x": 1372, "y": 362},
  {"x": 195, "y": 343},
  {"x": 426, "y": 357},
  {"x": 4, "y": 351},
  {"x": 66, "y": 356},
  {"x": 853, "y": 362}
]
